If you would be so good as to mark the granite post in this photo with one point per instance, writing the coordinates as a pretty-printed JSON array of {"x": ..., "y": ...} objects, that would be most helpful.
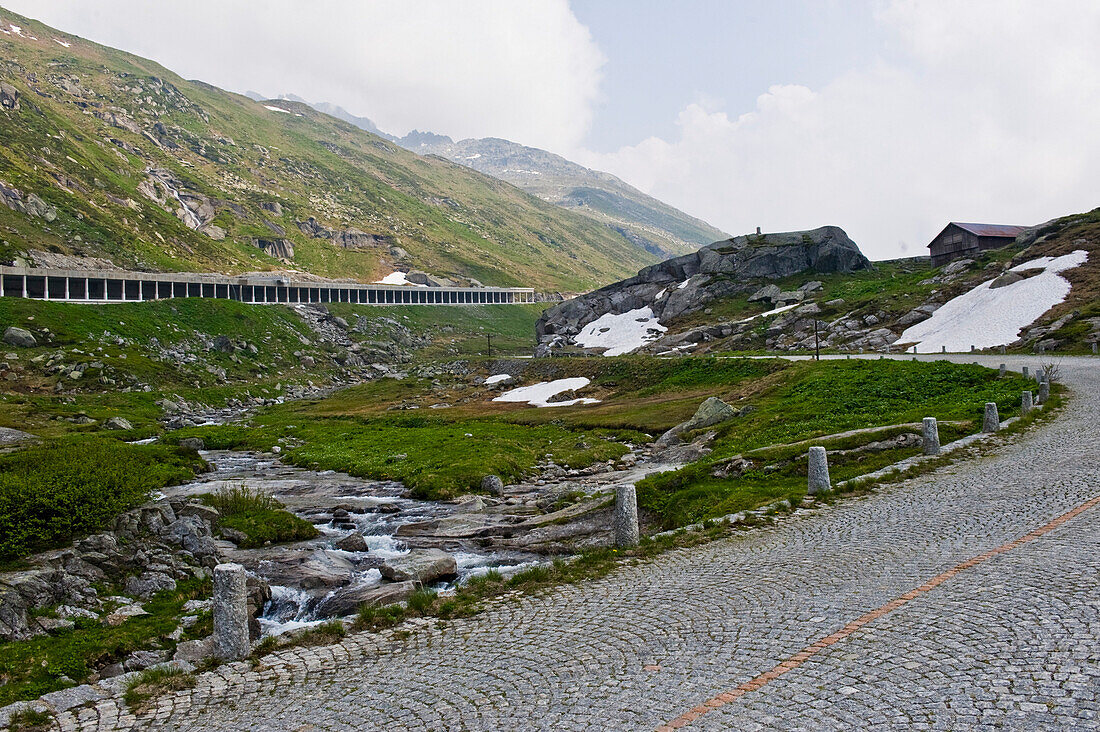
[
  {"x": 1044, "y": 391},
  {"x": 1002, "y": 371},
  {"x": 230, "y": 608},
  {"x": 931, "y": 436},
  {"x": 817, "y": 471},
  {"x": 624, "y": 523},
  {"x": 991, "y": 421},
  {"x": 1025, "y": 403}
]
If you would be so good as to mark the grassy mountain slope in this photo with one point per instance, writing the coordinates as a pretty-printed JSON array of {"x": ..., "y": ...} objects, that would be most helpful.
[
  {"x": 652, "y": 224},
  {"x": 107, "y": 141}
]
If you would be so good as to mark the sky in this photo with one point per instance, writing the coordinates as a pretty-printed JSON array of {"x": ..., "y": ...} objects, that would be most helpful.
[{"x": 888, "y": 118}]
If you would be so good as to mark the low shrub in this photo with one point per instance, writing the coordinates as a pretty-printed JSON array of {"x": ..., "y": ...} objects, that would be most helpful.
[
  {"x": 258, "y": 516},
  {"x": 76, "y": 485}
]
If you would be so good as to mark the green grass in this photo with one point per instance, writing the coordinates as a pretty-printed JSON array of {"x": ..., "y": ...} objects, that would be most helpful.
[
  {"x": 152, "y": 683},
  {"x": 434, "y": 457},
  {"x": 75, "y": 485},
  {"x": 30, "y": 720},
  {"x": 825, "y": 398},
  {"x": 259, "y": 517},
  {"x": 37, "y": 666}
]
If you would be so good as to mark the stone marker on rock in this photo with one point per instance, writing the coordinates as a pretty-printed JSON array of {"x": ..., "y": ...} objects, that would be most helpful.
[
  {"x": 230, "y": 608},
  {"x": 1040, "y": 375},
  {"x": 1044, "y": 391},
  {"x": 1024, "y": 371},
  {"x": 931, "y": 436},
  {"x": 817, "y": 473},
  {"x": 1025, "y": 403},
  {"x": 624, "y": 523},
  {"x": 991, "y": 421},
  {"x": 1002, "y": 371}
]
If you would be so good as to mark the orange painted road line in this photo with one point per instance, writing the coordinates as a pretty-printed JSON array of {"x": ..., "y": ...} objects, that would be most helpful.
[{"x": 720, "y": 700}]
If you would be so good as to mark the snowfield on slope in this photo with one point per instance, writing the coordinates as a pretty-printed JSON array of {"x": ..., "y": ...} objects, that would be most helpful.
[
  {"x": 985, "y": 317},
  {"x": 621, "y": 333},
  {"x": 396, "y": 278},
  {"x": 538, "y": 395}
]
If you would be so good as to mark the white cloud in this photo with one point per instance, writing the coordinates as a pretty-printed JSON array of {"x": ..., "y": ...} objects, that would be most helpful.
[
  {"x": 987, "y": 111},
  {"x": 525, "y": 71}
]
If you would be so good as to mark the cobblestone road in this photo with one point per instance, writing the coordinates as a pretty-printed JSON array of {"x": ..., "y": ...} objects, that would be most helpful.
[{"x": 1011, "y": 642}]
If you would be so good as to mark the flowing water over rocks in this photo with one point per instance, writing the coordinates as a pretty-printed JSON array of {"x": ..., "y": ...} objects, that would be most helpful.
[{"x": 334, "y": 573}]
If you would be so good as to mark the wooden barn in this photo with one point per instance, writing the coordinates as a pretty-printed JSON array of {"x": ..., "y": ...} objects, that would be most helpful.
[{"x": 959, "y": 240}]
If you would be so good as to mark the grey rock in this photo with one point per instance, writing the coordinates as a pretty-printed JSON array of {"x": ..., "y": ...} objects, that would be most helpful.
[
  {"x": 718, "y": 270},
  {"x": 272, "y": 206},
  {"x": 194, "y": 651},
  {"x": 193, "y": 443},
  {"x": 9, "y": 436},
  {"x": 118, "y": 423},
  {"x": 421, "y": 565},
  {"x": 353, "y": 542},
  {"x": 348, "y": 600},
  {"x": 230, "y": 610},
  {"x": 767, "y": 292},
  {"x": 624, "y": 521},
  {"x": 711, "y": 412},
  {"x": 201, "y": 511},
  {"x": 124, "y": 613},
  {"x": 9, "y": 97},
  {"x": 76, "y": 696},
  {"x": 148, "y": 584},
  {"x": 19, "y": 337},
  {"x": 1008, "y": 278},
  {"x": 493, "y": 485},
  {"x": 817, "y": 472},
  {"x": 139, "y": 660},
  {"x": 277, "y": 248}
]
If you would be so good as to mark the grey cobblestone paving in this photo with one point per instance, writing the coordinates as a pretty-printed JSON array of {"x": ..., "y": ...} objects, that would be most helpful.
[{"x": 1012, "y": 643}]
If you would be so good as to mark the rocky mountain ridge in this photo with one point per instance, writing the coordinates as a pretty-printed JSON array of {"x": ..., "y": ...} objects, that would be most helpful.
[{"x": 112, "y": 156}]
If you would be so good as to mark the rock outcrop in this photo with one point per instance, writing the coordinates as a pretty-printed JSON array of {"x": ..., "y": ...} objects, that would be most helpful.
[
  {"x": 687, "y": 284},
  {"x": 346, "y": 238}
]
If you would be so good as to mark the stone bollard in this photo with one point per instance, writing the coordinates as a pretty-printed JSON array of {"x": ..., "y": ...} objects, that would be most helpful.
[
  {"x": 992, "y": 421},
  {"x": 624, "y": 524},
  {"x": 1002, "y": 371},
  {"x": 1024, "y": 371},
  {"x": 1025, "y": 403},
  {"x": 1040, "y": 376},
  {"x": 817, "y": 471},
  {"x": 931, "y": 436},
  {"x": 943, "y": 349},
  {"x": 1094, "y": 348},
  {"x": 1044, "y": 391},
  {"x": 230, "y": 607}
]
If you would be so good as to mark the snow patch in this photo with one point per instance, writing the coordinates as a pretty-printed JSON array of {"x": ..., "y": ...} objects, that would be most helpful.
[
  {"x": 776, "y": 311},
  {"x": 621, "y": 333},
  {"x": 660, "y": 294},
  {"x": 61, "y": 42},
  {"x": 397, "y": 278},
  {"x": 683, "y": 284},
  {"x": 497, "y": 378},
  {"x": 985, "y": 317},
  {"x": 277, "y": 109},
  {"x": 538, "y": 395},
  {"x": 17, "y": 30}
]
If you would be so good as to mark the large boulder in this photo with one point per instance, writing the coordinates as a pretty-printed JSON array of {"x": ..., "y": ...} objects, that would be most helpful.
[
  {"x": 711, "y": 412},
  {"x": 19, "y": 337},
  {"x": 348, "y": 600},
  {"x": 420, "y": 565},
  {"x": 686, "y": 284}
]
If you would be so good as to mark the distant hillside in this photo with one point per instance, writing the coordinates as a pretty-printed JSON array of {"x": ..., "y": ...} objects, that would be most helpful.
[
  {"x": 651, "y": 224},
  {"x": 112, "y": 156}
]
